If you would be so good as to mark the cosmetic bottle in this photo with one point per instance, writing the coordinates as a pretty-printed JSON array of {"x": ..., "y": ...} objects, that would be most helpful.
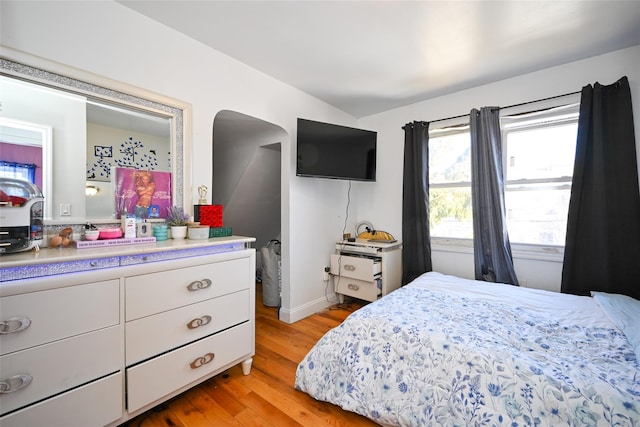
[{"x": 128, "y": 224}]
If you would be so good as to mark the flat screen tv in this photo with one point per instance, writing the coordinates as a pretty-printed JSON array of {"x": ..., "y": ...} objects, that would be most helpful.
[{"x": 331, "y": 151}]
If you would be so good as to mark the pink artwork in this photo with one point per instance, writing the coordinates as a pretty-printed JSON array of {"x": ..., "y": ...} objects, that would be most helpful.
[{"x": 147, "y": 194}]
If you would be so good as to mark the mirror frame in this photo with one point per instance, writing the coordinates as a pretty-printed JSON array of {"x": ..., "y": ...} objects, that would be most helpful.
[{"x": 135, "y": 98}]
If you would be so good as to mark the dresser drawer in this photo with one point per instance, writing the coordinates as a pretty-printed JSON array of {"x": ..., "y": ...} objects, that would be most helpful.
[
  {"x": 60, "y": 366},
  {"x": 360, "y": 289},
  {"x": 161, "y": 332},
  {"x": 355, "y": 267},
  {"x": 152, "y": 293},
  {"x": 149, "y": 381},
  {"x": 58, "y": 313},
  {"x": 95, "y": 404}
]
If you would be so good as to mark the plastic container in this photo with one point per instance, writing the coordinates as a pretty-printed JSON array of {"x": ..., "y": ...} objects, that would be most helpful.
[
  {"x": 198, "y": 232},
  {"x": 160, "y": 232},
  {"x": 91, "y": 234},
  {"x": 110, "y": 233}
]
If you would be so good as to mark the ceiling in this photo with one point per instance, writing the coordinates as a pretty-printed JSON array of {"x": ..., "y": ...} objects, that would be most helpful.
[{"x": 365, "y": 57}]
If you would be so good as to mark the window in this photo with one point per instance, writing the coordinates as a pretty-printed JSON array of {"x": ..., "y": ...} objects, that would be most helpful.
[
  {"x": 450, "y": 182},
  {"x": 25, "y": 172},
  {"x": 538, "y": 157},
  {"x": 539, "y": 152}
]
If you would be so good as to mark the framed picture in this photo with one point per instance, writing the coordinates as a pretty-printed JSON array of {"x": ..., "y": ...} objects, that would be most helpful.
[{"x": 145, "y": 193}]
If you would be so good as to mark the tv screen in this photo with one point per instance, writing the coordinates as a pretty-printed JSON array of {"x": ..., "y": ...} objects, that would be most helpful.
[{"x": 331, "y": 151}]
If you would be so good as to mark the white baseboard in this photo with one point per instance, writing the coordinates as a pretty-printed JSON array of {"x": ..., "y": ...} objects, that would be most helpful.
[{"x": 306, "y": 310}]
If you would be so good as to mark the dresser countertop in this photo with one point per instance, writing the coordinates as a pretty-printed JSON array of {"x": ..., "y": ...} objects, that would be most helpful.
[
  {"x": 54, "y": 261},
  {"x": 60, "y": 254}
]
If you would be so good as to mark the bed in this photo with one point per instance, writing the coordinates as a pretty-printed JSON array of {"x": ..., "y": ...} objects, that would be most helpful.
[{"x": 446, "y": 351}]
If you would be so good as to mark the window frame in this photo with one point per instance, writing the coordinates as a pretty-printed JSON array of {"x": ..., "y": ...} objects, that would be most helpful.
[{"x": 527, "y": 251}]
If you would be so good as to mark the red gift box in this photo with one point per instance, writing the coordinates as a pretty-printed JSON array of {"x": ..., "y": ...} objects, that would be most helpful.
[{"x": 210, "y": 215}]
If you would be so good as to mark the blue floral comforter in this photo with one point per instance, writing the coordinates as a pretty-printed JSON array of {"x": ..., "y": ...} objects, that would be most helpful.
[{"x": 445, "y": 351}]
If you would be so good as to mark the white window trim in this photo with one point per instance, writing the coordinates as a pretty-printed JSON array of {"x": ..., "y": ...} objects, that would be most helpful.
[{"x": 518, "y": 250}]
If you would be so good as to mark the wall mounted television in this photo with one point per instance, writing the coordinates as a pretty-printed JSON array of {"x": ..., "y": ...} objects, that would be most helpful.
[{"x": 331, "y": 151}]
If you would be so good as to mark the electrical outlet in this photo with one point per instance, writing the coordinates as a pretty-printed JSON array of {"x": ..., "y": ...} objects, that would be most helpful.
[{"x": 325, "y": 274}]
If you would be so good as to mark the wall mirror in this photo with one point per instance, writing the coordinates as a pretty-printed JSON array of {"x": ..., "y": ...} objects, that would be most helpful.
[{"x": 93, "y": 131}]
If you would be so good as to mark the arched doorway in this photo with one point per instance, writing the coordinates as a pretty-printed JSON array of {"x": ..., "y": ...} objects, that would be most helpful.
[{"x": 247, "y": 170}]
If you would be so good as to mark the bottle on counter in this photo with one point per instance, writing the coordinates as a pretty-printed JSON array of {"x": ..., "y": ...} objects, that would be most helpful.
[{"x": 128, "y": 221}]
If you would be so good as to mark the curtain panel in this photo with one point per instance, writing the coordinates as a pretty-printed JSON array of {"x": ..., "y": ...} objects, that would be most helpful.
[
  {"x": 491, "y": 248},
  {"x": 602, "y": 249},
  {"x": 416, "y": 237},
  {"x": 19, "y": 170}
]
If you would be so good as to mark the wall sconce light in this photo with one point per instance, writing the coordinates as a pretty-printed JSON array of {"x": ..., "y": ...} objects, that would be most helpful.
[{"x": 91, "y": 190}]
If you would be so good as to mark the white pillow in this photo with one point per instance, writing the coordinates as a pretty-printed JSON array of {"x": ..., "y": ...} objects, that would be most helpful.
[{"x": 624, "y": 311}]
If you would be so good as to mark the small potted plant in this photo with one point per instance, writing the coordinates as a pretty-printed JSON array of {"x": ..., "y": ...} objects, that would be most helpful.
[{"x": 177, "y": 221}]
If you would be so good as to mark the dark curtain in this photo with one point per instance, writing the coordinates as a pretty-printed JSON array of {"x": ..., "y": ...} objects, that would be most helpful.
[
  {"x": 491, "y": 247},
  {"x": 602, "y": 250},
  {"x": 416, "y": 238}
]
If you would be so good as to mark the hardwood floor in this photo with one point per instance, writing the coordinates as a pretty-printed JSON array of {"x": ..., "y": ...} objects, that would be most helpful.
[{"x": 266, "y": 397}]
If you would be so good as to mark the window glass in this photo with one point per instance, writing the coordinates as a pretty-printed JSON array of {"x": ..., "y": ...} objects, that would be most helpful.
[
  {"x": 450, "y": 183},
  {"x": 17, "y": 170},
  {"x": 539, "y": 169},
  {"x": 541, "y": 152}
]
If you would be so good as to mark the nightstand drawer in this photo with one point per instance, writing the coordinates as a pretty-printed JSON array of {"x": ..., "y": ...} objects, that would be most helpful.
[
  {"x": 368, "y": 291},
  {"x": 360, "y": 268},
  {"x": 156, "y": 334}
]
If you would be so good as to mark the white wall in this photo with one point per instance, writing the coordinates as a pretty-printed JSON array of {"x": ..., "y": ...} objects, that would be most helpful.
[
  {"x": 382, "y": 203},
  {"x": 110, "y": 40}
]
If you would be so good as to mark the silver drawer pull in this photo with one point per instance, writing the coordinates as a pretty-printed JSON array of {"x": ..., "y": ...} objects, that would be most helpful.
[
  {"x": 14, "y": 324},
  {"x": 353, "y": 287},
  {"x": 350, "y": 267},
  {"x": 200, "y": 321},
  {"x": 15, "y": 383},
  {"x": 199, "y": 284},
  {"x": 202, "y": 360}
]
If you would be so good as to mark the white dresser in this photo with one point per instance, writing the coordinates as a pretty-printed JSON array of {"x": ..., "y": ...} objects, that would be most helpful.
[{"x": 98, "y": 347}]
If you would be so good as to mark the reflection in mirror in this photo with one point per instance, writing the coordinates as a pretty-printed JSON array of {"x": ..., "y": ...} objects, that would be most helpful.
[
  {"x": 118, "y": 138},
  {"x": 94, "y": 130},
  {"x": 24, "y": 148}
]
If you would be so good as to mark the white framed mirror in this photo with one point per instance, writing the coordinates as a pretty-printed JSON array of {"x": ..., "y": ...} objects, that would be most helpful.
[{"x": 94, "y": 129}]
